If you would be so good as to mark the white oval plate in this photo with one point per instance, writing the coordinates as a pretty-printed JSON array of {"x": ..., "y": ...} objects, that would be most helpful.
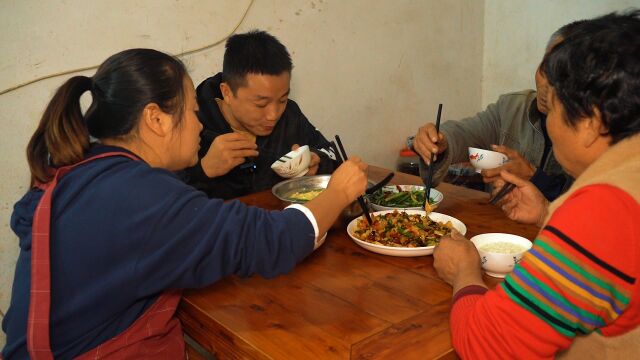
[
  {"x": 436, "y": 195},
  {"x": 405, "y": 251}
]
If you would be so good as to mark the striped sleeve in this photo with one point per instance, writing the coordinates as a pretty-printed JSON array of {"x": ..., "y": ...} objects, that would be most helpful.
[{"x": 576, "y": 277}]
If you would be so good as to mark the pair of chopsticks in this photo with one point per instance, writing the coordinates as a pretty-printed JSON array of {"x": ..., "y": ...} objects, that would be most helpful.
[
  {"x": 365, "y": 209},
  {"x": 502, "y": 193},
  {"x": 430, "y": 176},
  {"x": 380, "y": 185}
]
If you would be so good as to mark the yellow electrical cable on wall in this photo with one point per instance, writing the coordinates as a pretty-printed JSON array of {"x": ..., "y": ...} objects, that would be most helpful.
[{"x": 16, "y": 87}]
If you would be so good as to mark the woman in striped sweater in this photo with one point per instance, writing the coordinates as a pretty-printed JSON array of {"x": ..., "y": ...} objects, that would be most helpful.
[{"x": 577, "y": 288}]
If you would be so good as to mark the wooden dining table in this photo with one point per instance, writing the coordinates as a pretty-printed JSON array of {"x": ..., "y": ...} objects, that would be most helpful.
[{"x": 342, "y": 301}]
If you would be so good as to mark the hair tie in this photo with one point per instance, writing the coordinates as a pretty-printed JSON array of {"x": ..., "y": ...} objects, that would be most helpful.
[{"x": 95, "y": 88}]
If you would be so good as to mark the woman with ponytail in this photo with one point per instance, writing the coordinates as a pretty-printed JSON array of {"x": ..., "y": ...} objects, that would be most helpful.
[{"x": 109, "y": 236}]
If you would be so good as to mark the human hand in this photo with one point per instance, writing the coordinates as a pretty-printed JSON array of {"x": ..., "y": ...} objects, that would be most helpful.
[
  {"x": 457, "y": 261},
  {"x": 517, "y": 165},
  {"x": 428, "y": 141},
  {"x": 346, "y": 183},
  {"x": 226, "y": 152},
  {"x": 496, "y": 186},
  {"x": 525, "y": 203},
  {"x": 349, "y": 180},
  {"x": 314, "y": 163}
]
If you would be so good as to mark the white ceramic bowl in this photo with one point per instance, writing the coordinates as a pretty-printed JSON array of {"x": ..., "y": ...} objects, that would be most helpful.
[
  {"x": 295, "y": 163},
  {"x": 435, "y": 195},
  {"x": 499, "y": 253},
  {"x": 320, "y": 242},
  {"x": 482, "y": 159},
  {"x": 404, "y": 251}
]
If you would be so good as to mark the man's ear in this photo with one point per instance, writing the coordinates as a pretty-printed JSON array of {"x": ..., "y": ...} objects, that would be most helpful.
[
  {"x": 226, "y": 91},
  {"x": 156, "y": 121}
]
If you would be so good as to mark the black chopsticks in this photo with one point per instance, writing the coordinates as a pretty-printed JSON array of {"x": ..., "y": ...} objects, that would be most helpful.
[
  {"x": 363, "y": 204},
  {"x": 502, "y": 193},
  {"x": 380, "y": 185},
  {"x": 430, "y": 176}
]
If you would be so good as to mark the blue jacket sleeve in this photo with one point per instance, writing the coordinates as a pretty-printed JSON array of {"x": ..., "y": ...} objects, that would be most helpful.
[{"x": 193, "y": 241}]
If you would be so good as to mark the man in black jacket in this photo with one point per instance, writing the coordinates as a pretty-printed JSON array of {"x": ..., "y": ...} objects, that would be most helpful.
[{"x": 249, "y": 121}]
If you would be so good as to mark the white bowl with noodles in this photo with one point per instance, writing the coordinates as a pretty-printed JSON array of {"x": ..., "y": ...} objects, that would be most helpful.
[
  {"x": 379, "y": 204},
  {"x": 403, "y": 251},
  {"x": 500, "y": 252}
]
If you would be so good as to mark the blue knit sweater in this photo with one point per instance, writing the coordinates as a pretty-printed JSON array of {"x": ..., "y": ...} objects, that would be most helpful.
[{"x": 122, "y": 232}]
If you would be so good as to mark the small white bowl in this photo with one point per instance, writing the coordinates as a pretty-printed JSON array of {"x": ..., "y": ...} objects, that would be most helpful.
[
  {"x": 320, "y": 242},
  {"x": 435, "y": 195},
  {"x": 293, "y": 164},
  {"x": 482, "y": 159},
  {"x": 507, "y": 251}
]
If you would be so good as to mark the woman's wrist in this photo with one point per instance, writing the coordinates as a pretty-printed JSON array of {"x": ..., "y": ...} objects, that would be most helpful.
[
  {"x": 543, "y": 213},
  {"x": 467, "y": 277},
  {"x": 337, "y": 196}
]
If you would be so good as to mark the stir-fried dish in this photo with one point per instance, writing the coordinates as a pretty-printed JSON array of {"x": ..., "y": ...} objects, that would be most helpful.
[
  {"x": 399, "y": 229},
  {"x": 304, "y": 195},
  {"x": 390, "y": 197}
]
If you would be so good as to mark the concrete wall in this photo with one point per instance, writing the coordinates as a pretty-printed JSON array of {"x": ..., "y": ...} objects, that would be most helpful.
[
  {"x": 516, "y": 35},
  {"x": 371, "y": 71}
]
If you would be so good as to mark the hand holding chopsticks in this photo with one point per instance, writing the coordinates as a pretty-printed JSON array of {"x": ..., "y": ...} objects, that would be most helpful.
[
  {"x": 521, "y": 200},
  {"x": 430, "y": 175},
  {"x": 363, "y": 204},
  {"x": 502, "y": 193}
]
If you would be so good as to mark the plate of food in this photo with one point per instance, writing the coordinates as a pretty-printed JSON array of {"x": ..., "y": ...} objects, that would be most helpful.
[
  {"x": 408, "y": 197},
  {"x": 403, "y": 233}
]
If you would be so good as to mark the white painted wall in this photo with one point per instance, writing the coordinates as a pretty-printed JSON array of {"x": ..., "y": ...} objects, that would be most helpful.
[
  {"x": 371, "y": 71},
  {"x": 516, "y": 33}
]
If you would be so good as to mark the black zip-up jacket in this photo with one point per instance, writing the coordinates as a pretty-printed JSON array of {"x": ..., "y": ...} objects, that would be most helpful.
[{"x": 255, "y": 174}]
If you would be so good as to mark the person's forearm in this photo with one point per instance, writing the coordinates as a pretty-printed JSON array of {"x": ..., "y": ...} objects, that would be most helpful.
[
  {"x": 326, "y": 208},
  {"x": 544, "y": 214},
  {"x": 466, "y": 278}
]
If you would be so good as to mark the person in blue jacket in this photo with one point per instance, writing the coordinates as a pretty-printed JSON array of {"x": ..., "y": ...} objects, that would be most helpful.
[{"x": 109, "y": 235}]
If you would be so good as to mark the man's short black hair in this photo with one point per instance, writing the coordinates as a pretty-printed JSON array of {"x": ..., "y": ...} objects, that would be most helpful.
[
  {"x": 597, "y": 67},
  {"x": 254, "y": 52}
]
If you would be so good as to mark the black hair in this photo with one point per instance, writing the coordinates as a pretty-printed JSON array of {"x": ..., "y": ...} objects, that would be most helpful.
[
  {"x": 126, "y": 82},
  {"x": 563, "y": 32},
  {"x": 597, "y": 67},
  {"x": 123, "y": 85},
  {"x": 254, "y": 52}
]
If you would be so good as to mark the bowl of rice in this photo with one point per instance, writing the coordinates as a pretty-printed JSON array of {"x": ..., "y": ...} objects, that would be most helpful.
[{"x": 500, "y": 252}]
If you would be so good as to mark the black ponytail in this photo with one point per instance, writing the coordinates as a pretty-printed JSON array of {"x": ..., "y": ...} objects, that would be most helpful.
[
  {"x": 123, "y": 85},
  {"x": 62, "y": 136}
]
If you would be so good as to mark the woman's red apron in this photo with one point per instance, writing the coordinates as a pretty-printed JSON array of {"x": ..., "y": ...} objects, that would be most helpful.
[{"x": 157, "y": 334}]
